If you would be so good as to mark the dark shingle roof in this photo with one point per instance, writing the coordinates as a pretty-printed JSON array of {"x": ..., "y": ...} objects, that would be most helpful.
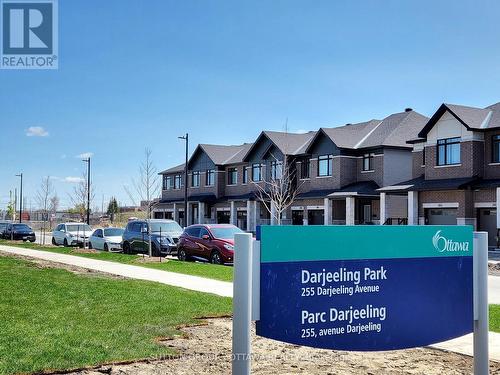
[
  {"x": 421, "y": 184},
  {"x": 222, "y": 154},
  {"x": 177, "y": 168},
  {"x": 348, "y": 136},
  {"x": 290, "y": 143}
]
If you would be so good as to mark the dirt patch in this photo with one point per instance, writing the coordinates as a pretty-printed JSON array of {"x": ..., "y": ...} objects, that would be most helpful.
[
  {"x": 206, "y": 349},
  {"x": 494, "y": 269},
  {"x": 41, "y": 263}
]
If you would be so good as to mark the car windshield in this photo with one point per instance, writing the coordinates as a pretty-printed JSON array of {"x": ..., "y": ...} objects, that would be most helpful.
[
  {"x": 226, "y": 233},
  {"x": 78, "y": 228},
  {"x": 166, "y": 226},
  {"x": 112, "y": 232},
  {"x": 21, "y": 227}
]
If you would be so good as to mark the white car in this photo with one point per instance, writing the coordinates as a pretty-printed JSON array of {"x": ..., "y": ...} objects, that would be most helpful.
[
  {"x": 107, "y": 239},
  {"x": 72, "y": 234}
]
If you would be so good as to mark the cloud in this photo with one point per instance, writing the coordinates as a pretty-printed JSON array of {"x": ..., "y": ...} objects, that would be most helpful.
[
  {"x": 72, "y": 179},
  {"x": 36, "y": 131},
  {"x": 85, "y": 155}
]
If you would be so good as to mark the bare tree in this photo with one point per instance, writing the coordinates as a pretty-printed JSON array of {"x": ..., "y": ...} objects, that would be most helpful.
[
  {"x": 146, "y": 189},
  {"x": 278, "y": 190},
  {"x": 54, "y": 204},
  {"x": 79, "y": 196},
  {"x": 43, "y": 201}
]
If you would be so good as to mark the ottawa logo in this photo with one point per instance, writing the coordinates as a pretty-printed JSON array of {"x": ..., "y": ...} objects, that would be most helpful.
[{"x": 442, "y": 244}]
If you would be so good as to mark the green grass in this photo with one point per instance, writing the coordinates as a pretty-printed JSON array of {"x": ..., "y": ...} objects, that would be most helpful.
[
  {"x": 211, "y": 271},
  {"x": 54, "y": 319},
  {"x": 495, "y": 318}
]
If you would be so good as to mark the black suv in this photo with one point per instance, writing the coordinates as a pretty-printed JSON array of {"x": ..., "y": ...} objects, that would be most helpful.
[{"x": 164, "y": 237}]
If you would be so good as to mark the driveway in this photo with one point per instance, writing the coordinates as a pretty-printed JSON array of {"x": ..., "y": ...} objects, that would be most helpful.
[{"x": 199, "y": 284}]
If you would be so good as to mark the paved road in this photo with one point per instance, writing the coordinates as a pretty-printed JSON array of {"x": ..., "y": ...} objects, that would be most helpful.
[{"x": 196, "y": 283}]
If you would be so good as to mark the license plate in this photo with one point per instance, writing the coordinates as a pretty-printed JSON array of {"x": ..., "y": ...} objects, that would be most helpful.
[{"x": 25, "y": 238}]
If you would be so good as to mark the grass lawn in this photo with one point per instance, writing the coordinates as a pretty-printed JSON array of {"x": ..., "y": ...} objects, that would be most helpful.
[
  {"x": 54, "y": 319},
  {"x": 495, "y": 318},
  {"x": 224, "y": 273}
]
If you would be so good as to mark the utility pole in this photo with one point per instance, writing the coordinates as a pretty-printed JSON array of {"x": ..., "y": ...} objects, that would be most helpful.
[
  {"x": 87, "y": 160},
  {"x": 186, "y": 138},
  {"x": 20, "y": 198}
]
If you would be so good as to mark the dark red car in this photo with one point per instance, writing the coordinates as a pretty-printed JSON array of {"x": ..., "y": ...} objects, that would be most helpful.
[{"x": 212, "y": 242}]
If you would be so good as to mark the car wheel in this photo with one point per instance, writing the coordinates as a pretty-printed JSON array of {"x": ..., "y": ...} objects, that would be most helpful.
[
  {"x": 155, "y": 252},
  {"x": 181, "y": 255},
  {"x": 106, "y": 248},
  {"x": 215, "y": 258},
  {"x": 126, "y": 248},
  {"x": 65, "y": 242},
  {"x": 32, "y": 241},
  {"x": 54, "y": 241},
  {"x": 90, "y": 245}
]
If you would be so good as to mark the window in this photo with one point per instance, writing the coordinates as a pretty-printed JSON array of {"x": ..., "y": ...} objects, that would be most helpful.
[
  {"x": 245, "y": 174},
  {"x": 448, "y": 151},
  {"x": 256, "y": 172},
  {"x": 195, "y": 179},
  {"x": 210, "y": 178},
  {"x": 423, "y": 156},
  {"x": 305, "y": 168},
  {"x": 203, "y": 232},
  {"x": 168, "y": 182},
  {"x": 325, "y": 165},
  {"x": 276, "y": 170},
  {"x": 368, "y": 162},
  {"x": 177, "y": 181},
  {"x": 232, "y": 176},
  {"x": 495, "y": 156},
  {"x": 193, "y": 231}
]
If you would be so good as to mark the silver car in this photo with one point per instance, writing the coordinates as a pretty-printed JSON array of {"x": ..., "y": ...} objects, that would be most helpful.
[
  {"x": 107, "y": 239},
  {"x": 72, "y": 234}
]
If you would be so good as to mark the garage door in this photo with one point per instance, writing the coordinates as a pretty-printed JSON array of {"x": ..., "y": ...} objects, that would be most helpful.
[
  {"x": 487, "y": 222},
  {"x": 441, "y": 216}
]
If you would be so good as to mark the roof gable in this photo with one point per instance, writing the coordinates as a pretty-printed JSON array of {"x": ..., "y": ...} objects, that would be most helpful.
[{"x": 286, "y": 143}]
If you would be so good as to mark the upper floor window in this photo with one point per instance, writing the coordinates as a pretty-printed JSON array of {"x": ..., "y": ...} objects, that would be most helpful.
[
  {"x": 232, "y": 176},
  {"x": 368, "y": 162},
  {"x": 210, "y": 177},
  {"x": 305, "y": 168},
  {"x": 245, "y": 175},
  {"x": 168, "y": 182},
  {"x": 495, "y": 141},
  {"x": 276, "y": 170},
  {"x": 195, "y": 179},
  {"x": 448, "y": 151},
  {"x": 177, "y": 181},
  {"x": 325, "y": 165},
  {"x": 256, "y": 172},
  {"x": 423, "y": 156}
]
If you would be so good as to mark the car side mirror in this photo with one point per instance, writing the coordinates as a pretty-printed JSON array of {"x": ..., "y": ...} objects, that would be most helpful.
[
  {"x": 205, "y": 237},
  {"x": 63, "y": 231},
  {"x": 144, "y": 230}
]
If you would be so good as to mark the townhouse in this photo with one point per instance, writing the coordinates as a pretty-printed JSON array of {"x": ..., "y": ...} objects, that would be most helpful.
[
  {"x": 337, "y": 172},
  {"x": 455, "y": 170}
]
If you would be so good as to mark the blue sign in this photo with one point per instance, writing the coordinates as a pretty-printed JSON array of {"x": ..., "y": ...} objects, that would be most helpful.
[{"x": 365, "y": 287}]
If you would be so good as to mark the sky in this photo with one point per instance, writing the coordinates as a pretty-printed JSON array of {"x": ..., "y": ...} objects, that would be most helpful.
[{"x": 137, "y": 74}]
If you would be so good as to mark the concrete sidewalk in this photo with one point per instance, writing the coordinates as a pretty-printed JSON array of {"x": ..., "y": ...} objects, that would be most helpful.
[
  {"x": 199, "y": 284},
  {"x": 464, "y": 345}
]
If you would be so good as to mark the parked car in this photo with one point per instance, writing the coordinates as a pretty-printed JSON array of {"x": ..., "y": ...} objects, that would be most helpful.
[
  {"x": 107, "y": 239},
  {"x": 3, "y": 227},
  {"x": 72, "y": 234},
  {"x": 19, "y": 232},
  {"x": 164, "y": 237},
  {"x": 211, "y": 242}
]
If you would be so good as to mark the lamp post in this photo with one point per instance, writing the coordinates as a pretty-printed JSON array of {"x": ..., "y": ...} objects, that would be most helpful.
[
  {"x": 20, "y": 198},
  {"x": 87, "y": 160},
  {"x": 186, "y": 138}
]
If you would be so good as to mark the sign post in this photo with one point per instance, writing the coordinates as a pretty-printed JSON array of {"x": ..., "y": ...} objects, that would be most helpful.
[{"x": 481, "y": 318}]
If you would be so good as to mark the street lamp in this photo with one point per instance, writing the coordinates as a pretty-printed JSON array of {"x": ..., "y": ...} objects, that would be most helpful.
[
  {"x": 20, "y": 198},
  {"x": 87, "y": 160},
  {"x": 186, "y": 138}
]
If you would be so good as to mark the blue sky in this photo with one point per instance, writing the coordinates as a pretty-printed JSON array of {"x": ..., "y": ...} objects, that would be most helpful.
[{"x": 136, "y": 74}]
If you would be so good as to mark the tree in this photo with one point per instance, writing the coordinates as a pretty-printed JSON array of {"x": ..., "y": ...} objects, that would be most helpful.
[
  {"x": 146, "y": 188},
  {"x": 113, "y": 208},
  {"x": 10, "y": 210},
  {"x": 79, "y": 196},
  {"x": 278, "y": 190},
  {"x": 54, "y": 204},
  {"x": 42, "y": 198}
]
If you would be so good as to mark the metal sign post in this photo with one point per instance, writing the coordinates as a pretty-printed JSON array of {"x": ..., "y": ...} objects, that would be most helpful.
[{"x": 481, "y": 318}]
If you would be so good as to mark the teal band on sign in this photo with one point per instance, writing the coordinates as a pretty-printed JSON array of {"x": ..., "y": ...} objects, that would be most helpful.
[{"x": 341, "y": 242}]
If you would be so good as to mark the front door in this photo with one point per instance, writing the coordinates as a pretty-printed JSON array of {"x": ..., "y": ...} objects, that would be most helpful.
[
  {"x": 487, "y": 222},
  {"x": 297, "y": 217},
  {"x": 223, "y": 217}
]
